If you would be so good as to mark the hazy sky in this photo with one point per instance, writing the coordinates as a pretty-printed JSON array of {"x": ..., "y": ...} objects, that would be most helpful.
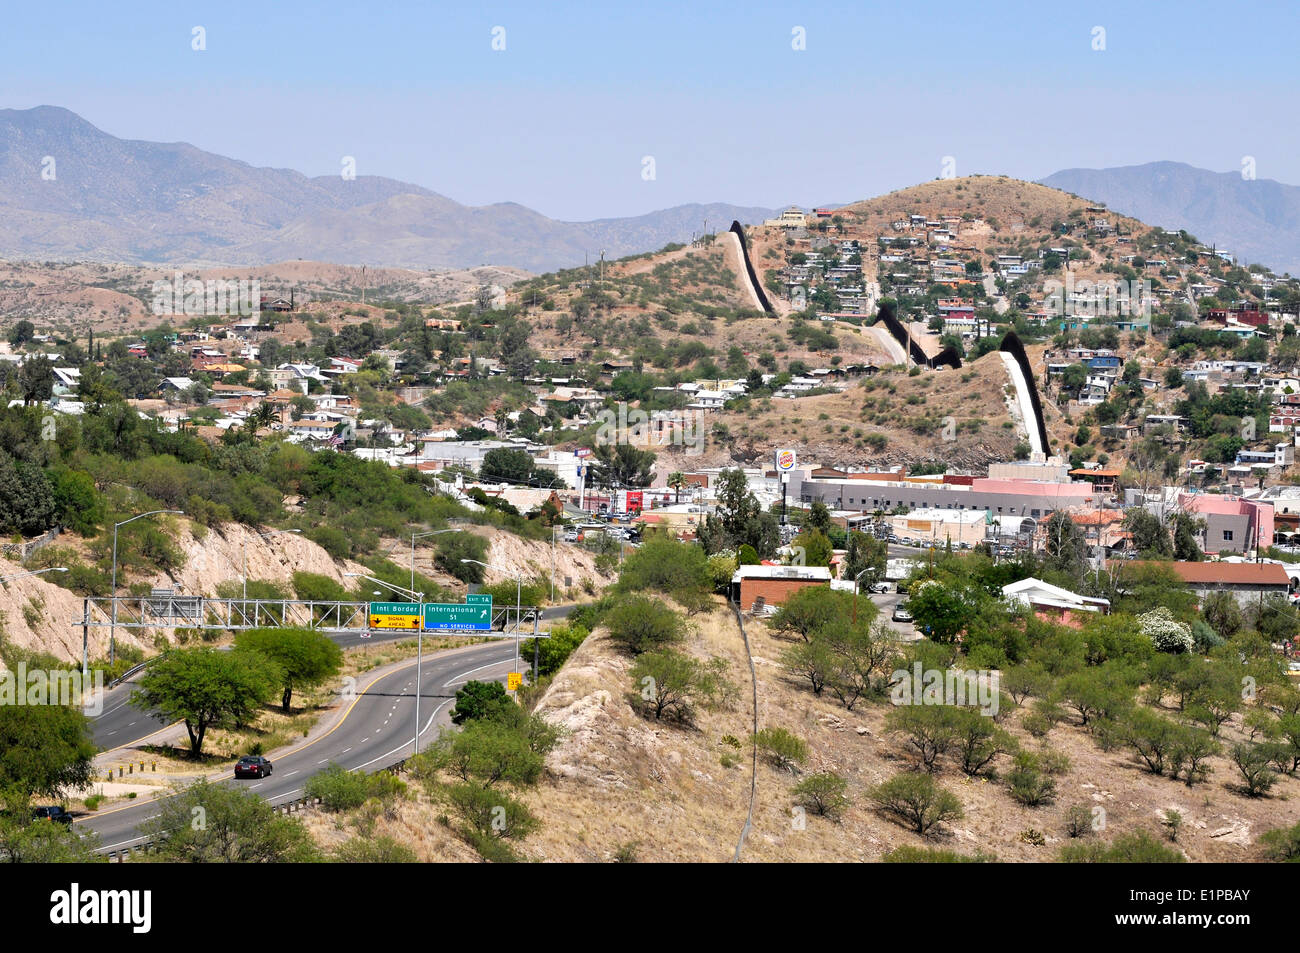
[{"x": 561, "y": 119}]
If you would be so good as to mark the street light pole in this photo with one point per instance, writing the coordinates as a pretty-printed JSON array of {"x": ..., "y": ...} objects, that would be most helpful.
[
  {"x": 112, "y": 629},
  {"x": 519, "y": 584},
  {"x": 419, "y": 648}
]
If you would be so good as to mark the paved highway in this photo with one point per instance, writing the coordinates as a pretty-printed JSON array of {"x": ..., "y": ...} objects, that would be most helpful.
[
  {"x": 120, "y": 725},
  {"x": 375, "y": 731}
]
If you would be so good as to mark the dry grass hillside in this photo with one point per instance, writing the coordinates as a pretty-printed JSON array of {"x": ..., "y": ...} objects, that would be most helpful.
[
  {"x": 39, "y": 616},
  {"x": 960, "y": 417},
  {"x": 619, "y": 784},
  {"x": 69, "y": 298}
]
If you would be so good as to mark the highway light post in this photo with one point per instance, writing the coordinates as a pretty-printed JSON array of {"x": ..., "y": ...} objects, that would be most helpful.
[
  {"x": 519, "y": 588},
  {"x": 419, "y": 646},
  {"x": 112, "y": 629},
  {"x": 274, "y": 532}
]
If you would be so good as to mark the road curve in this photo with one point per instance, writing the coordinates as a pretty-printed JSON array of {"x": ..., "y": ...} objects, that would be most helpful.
[
  {"x": 376, "y": 730},
  {"x": 120, "y": 725}
]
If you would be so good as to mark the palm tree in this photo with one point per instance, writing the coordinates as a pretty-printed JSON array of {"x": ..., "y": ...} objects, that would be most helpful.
[
  {"x": 262, "y": 416},
  {"x": 677, "y": 480}
]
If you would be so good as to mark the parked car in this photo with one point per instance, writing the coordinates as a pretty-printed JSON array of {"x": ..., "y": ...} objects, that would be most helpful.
[
  {"x": 901, "y": 615},
  {"x": 52, "y": 812},
  {"x": 571, "y": 537},
  {"x": 252, "y": 766},
  {"x": 878, "y": 587}
]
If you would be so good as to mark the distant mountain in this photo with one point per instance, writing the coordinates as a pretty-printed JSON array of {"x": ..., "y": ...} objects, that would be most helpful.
[
  {"x": 71, "y": 191},
  {"x": 1257, "y": 220}
]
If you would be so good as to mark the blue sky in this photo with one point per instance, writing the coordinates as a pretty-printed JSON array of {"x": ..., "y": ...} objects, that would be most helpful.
[{"x": 561, "y": 119}]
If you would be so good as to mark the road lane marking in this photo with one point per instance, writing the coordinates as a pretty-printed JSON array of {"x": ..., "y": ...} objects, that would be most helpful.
[{"x": 437, "y": 659}]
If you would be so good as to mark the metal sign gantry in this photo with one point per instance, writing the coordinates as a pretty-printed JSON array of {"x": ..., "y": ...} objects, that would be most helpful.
[{"x": 200, "y": 612}]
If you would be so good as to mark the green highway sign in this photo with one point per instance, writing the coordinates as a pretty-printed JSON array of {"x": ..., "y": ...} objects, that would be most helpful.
[
  {"x": 394, "y": 615},
  {"x": 479, "y": 597},
  {"x": 454, "y": 615}
]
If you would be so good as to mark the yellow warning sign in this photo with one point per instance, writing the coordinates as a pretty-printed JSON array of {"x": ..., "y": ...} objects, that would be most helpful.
[{"x": 513, "y": 681}]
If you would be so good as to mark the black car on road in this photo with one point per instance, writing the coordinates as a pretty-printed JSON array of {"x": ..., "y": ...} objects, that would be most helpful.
[
  {"x": 252, "y": 766},
  {"x": 52, "y": 812}
]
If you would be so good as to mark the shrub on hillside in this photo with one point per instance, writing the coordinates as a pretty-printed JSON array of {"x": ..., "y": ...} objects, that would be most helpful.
[
  {"x": 333, "y": 541},
  {"x": 780, "y": 748},
  {"x": 1136, "y": 848},
  {"x": 641, "y": 624},
  {"x": 823, "y": 794},
  {"x": 917, "y": 800},
  {"x": 453, "y": 547}
]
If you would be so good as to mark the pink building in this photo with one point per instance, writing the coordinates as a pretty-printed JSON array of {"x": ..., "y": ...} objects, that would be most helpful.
[{"x": 1232, "y": 524}]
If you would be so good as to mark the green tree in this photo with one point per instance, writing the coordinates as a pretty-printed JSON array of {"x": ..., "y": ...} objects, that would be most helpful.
[
  {"x": 44, "y": 750},
  {"x": 46, "y": 842},
  {"x": 338, "y": 788},
  {"x": 823, "y": 794},
  {"x": 207, "y": 688},
  {"x": 27, "y": 503},
  {"x": 305, "y": 657},
  {"x": 865, "y": 556},
  {"x": 1149, "y": 535},
  {"x": 812, "y": 548},
  {"x": 819, "y": 518},
  {"x": 939, "y": 610},
  {"x": 1066, "y": 548},
  {"x": 1028, "y": 782},
  {"x": 808, "y": 609},
  {"x": 207, "y": 823},
  {"x": 1136, "y": 848},
  {"x": 1186, "y": 536},
  {"x": 1222, "y": 612},
  {"x": 676, "y": 481},
  {"x": 487, "y": 752},
  {"x": 662, "y": 564},
  {"x": 621, "y": 465},
  {"x": 503, "y": 465},
  {"x": 21, "y": 333},
  {"x": 477, "y": 699},
  {"x": 1252, "y": 763},
  {"x": 671, "y": 684},
  {"x": 77, "y": 504},
  {"x": 553, "y": 651},
  {"x": 642, "y": 623},
  {"x": 916, "y": 799},
  {"x": 931, "y": 730},
  {"x": 455, "y": 547},
  {"x": 810, "y": 661},
  {"x": 780, "y": 747}
]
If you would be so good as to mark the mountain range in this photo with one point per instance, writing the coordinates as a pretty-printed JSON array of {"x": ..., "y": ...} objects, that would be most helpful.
[
  {"x": 70, "y": 191},
  {"x": 1258, "y": 220}
]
